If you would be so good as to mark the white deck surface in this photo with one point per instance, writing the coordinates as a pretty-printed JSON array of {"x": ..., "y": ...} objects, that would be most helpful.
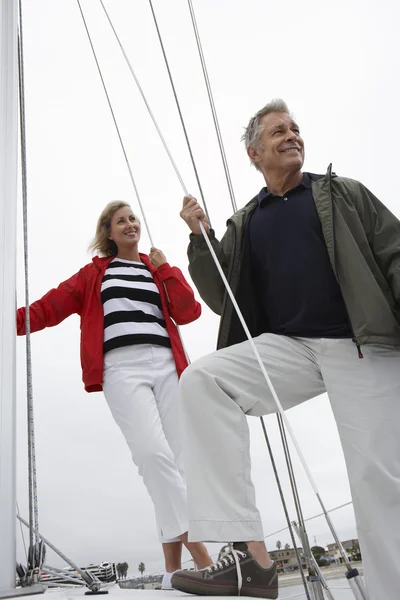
[
  {"x": 288, "y": 591},
  {"x": 340, "y": 590}
]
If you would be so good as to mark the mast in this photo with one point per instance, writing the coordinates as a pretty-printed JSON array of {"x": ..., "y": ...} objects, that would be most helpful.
[{"x": 8, "y": 210}]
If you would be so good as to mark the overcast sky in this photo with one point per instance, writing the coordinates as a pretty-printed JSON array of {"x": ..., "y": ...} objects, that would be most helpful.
[{"x": 335, "y": 64}]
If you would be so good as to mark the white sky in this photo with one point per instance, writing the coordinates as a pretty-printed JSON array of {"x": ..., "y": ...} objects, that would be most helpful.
[{"x": 336, "y": 65}]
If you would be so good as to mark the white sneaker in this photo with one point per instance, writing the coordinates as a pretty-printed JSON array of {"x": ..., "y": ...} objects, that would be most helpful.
[{"x": 166, "y": 582}]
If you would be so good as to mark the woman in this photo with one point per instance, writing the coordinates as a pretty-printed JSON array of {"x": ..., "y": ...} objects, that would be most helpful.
[{"x": 131, "y": 349}]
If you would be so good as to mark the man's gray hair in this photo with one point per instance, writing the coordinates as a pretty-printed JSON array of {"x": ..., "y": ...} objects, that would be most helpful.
[{"x": 254, "y": 129}]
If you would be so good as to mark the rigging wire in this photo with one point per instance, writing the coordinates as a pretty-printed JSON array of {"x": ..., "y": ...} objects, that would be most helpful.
[
  {"x": 212, "y": 105},
  {"x": 291, "y": 532},
  {"x": 32, "y": 476},
  {"x": 309, "y": 519},
  {"x": 178, "y": 106},
  {"x": 116, "y": 125},
  {"x": 310, "y": 561}
]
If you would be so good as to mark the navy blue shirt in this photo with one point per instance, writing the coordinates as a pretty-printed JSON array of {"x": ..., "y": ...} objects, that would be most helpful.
[{"x": 291, "y": 269}]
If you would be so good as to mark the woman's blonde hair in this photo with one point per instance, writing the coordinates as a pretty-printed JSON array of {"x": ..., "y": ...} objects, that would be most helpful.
[{"x": 101, "y": 242}]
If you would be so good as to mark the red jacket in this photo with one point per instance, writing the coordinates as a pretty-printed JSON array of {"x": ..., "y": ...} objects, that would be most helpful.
[{"x": 81, "y": 294}]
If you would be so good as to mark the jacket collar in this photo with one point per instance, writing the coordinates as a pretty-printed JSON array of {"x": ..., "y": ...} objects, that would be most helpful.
[{"x": 240, "y": 217}]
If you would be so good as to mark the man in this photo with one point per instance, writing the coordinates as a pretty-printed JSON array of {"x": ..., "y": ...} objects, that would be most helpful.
[{"x": 314, "y": 263}]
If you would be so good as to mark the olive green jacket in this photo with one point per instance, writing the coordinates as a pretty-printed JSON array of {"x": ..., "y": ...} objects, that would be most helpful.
[{"x": 363, "y": 241}]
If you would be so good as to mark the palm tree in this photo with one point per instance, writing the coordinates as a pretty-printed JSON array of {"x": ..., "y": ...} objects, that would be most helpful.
[
  {"x": 279, "y": 545},
  {"x": 125, "y": 568},
  {"x": 119, "y": 570},
  {"x": 141, "y": 568},
  {"x": 287, "y": 546}
]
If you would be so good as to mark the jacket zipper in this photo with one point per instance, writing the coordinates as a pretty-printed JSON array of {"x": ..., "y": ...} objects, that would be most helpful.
[
  {"x": 354, "y": 339},
  {"x": 360, "y": 354},
  {"x": 228, "y": 277}
]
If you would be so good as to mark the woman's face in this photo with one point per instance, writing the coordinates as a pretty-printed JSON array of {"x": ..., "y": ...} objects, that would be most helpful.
[{"x": 124, "y": 228}]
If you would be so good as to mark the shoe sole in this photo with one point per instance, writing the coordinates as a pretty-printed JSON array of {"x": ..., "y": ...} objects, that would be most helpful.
[{"x": 199, "y": 588}]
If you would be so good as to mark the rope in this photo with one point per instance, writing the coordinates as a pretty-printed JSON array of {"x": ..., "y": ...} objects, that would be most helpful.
[
  {"x": 212, "y": 105},
  {"x": 33, "y": 501},
  {"x": 116, "y": 125}
]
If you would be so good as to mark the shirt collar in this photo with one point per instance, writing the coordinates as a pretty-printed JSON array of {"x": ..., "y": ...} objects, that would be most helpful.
[{"x": 264, "y": 194}]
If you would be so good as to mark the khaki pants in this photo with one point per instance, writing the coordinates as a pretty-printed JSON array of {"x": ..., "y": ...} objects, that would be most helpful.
[{"x": 218, "y": 391}]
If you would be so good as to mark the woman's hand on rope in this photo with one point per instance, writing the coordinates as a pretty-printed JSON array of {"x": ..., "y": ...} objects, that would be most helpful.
[
  {"x": 157, "y": 258},
  {"x": 192, "y": 213}
]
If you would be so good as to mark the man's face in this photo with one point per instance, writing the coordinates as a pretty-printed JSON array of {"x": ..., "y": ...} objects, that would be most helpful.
[{"x": 281, "y": 149}]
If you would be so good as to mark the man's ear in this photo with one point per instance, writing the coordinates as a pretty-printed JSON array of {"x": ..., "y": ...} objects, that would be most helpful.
[{"x": 254, "y": 154}]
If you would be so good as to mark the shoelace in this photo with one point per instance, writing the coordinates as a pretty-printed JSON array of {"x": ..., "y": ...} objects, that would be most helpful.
[{"x": 229, "y": 556}]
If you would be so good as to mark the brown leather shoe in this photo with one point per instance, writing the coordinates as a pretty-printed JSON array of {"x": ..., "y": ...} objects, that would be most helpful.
[{"x": 236, "y": 572}]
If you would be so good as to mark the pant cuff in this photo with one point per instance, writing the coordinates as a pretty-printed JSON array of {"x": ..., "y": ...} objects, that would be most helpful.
[
  {"x": 171, "y": 534},
  {"x": 225, "y": 531}
]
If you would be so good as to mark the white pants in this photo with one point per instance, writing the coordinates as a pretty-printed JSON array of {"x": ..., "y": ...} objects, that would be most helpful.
[
  {"x": 218, "y": 391},
  {"x": 140, "y": 384}
]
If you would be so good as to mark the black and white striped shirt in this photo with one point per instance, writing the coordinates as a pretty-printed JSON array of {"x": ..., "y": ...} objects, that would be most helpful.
[{"x": 132, "y": 306}]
